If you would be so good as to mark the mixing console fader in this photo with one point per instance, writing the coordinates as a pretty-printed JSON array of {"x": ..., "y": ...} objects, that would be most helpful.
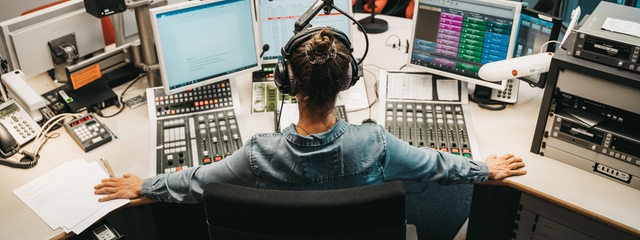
[
  {"x": 434, "y": 125},
  {"x": 192, "y": 128}
]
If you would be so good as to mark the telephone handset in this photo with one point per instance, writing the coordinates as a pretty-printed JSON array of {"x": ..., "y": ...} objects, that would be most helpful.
[
  {"x": 16, "y": 128},
  {"x": 8, "y": 144}
]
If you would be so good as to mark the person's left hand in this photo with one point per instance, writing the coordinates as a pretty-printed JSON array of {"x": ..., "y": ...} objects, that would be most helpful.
[
  {"x": 127, "y": 187},
  {"x": 504, "y": 166}
]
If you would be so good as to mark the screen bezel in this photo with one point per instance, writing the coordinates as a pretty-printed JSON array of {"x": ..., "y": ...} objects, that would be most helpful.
[
  {"x": 349, "y": 11},
  {"x": 163, "y": 68},
  {"x": 555, "y": 34},
  {"x": 516, "y": 6}
]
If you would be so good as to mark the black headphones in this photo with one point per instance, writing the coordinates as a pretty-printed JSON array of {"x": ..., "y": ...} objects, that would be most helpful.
[{"x": 281, "y": 73}]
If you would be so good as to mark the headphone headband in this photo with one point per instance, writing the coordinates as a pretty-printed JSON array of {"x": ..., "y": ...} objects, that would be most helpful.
[{"x": 281, "y": 73}]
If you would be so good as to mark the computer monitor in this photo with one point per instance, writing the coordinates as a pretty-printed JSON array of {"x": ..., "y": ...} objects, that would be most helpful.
[
  {"x": 24, "y": 40},
  {"x": 203, "y": 42},
  {"x": 276, "y": 19},
  {"x": 454, "y": 38},
  {"x": 536, "y": 29}
]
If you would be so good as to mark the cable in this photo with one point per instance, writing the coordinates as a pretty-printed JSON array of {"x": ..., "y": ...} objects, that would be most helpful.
[
  {"x": 279, "y": 115},
  {"x": 97, "y": 111},
  {"x": 30, "y": 159},
  {"x": 542, "y": 48},
  {"x": 367, "y": 96},
  {"x": 386, "y": 42},
  {"x": 46, "y": 127},
  {"x": 488, "y": 103},
  {"x": 373, "y": 65},
  {"x": 366, "y": 38}
]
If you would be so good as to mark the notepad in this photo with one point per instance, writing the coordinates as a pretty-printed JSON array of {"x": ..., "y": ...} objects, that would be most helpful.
[{"x": 64, "y": 198}]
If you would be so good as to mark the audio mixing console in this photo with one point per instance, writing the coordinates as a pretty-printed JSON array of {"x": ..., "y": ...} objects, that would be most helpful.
[
  {"x": 420, "y": 112},
  {"x": 437, "y": 126},
  {"x": 192, "y": 128}
]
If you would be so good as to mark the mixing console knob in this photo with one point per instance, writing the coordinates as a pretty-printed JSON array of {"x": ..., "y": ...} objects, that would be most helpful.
[
  {"x": 455, "y": 151},
  {"x": 466, "y": 152}
]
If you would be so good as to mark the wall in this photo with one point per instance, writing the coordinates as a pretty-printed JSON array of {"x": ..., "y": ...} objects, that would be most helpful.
[{"x": 13, "y": 8}]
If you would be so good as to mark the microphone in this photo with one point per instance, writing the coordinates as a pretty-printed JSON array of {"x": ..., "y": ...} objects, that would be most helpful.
[
  {"x": 371, "y": 24},
  {"x": 265, "y": 48},
  {"x": 516, "y": 67}
]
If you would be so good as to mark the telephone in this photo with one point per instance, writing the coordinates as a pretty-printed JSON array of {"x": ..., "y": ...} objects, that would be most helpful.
[
  {"x": 16, "y": 128},
  {"x": 496, "y": 99},
  {"x": 509, "y": 94}
]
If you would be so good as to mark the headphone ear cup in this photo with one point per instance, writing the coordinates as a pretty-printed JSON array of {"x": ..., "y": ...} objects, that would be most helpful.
[
  {"x": 281, "y": 76},
  {"x": 355, "y": 71},
  {"x": 354, "y": 74}
]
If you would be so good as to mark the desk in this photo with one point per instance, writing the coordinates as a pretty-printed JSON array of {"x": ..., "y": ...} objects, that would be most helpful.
[{"x": 510, "y": 130}]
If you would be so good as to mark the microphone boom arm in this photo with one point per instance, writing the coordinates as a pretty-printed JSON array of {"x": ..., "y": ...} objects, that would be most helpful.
[{"x": 304, "y": 20}]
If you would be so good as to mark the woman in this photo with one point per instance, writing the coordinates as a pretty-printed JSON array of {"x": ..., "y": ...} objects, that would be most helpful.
[{"x": 320, "y": 151}]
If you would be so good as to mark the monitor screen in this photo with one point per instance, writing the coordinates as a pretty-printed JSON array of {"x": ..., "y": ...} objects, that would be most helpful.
[
  {"x": 202, "y": 42},
  {"x": 454, "y": 38},
  {"x": 535, "y": 30},
  {"x": 276, "y": 19}
]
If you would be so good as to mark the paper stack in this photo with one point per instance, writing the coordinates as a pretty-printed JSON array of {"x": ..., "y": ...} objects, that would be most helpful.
[{"x": 64, "y": 196}]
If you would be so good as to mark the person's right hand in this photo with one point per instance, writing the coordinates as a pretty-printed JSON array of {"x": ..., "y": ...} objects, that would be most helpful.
[
  {"x": 504, "y": 166},
  {"x": 127, "y": 187}
]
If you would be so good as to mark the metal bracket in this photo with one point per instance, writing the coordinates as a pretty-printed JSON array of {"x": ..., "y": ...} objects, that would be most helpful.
[{"x": 64, "y": 49}]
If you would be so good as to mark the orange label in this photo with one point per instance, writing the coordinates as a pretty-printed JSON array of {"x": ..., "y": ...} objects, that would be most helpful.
[{"x": 85, "y": 76}]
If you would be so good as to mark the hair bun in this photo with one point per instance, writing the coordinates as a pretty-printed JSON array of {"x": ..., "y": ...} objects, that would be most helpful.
[
  {"x": 321, "y": 48},
  {"x": 322, "y": 41}
]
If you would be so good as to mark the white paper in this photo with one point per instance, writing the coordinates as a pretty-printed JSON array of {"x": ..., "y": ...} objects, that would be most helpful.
[
  {"x": 354, "y": 98},
  {"x": 64, "y": 198},
  {"x": 448, "y": 90},
  {"x": 410, "y": 86},
  {"x": 621, "y": 26}
]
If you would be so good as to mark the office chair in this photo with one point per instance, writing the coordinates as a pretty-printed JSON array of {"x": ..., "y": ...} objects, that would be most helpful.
[{"x": 368, "y": 212}]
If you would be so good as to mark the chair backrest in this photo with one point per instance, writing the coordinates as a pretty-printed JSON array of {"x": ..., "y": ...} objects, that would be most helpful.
[{"x": 368, "y": 212}]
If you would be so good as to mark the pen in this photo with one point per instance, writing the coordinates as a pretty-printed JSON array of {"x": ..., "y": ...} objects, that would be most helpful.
[
  {"x": 109, "y": 130},
  {"x": 108, "y": 167}
]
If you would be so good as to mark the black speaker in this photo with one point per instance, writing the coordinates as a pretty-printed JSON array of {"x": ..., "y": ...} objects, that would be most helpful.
[
  {"x": 281, "y": 72},
  {"x": 103, "y": 8}
]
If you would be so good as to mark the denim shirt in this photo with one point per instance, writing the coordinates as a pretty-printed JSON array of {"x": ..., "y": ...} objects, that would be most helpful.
[{"x": 347, "y": 155}]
